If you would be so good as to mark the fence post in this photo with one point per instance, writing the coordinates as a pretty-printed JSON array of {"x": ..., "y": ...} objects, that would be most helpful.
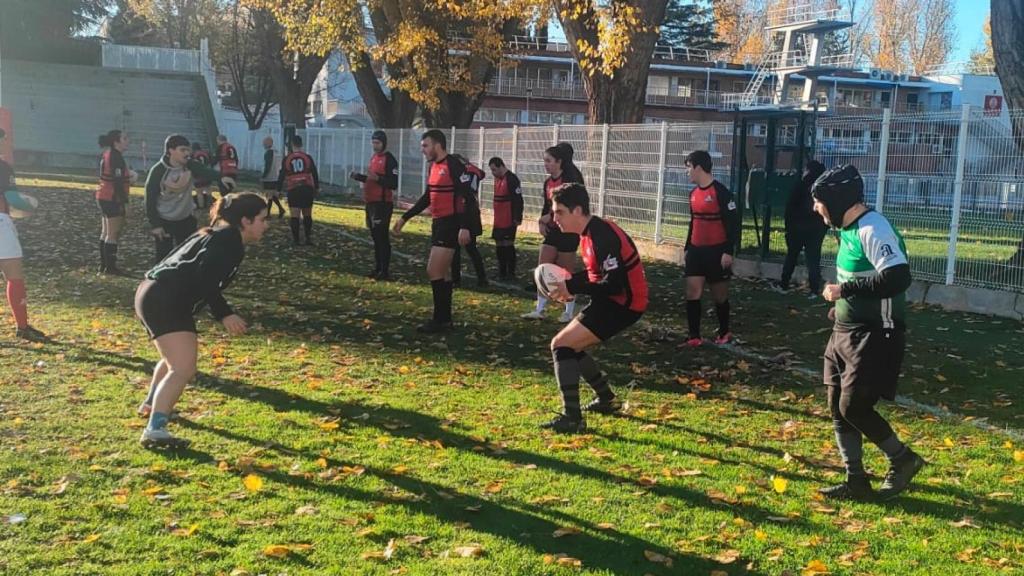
[
  {"x": 883, "y": 158},
  {"x": 451, "y": 142},
  {"x": 958, "y": 192},
  {"x": 554, "y": 134},
  {"x": 334, "y": 152},
  {"x": 480, "y": 150},
  {"x": 423, "y": 171},
  {"x": 661, "y": 182},
  {"x": 401, "y": 162},
  {"x": 604, "y": 170},
  {"x": 515, "y": 147}
]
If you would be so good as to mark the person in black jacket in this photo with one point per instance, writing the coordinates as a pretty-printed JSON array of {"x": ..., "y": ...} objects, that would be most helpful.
[
  {"x": 804, "y": 231},
  {"x": 179, "y": 286},
  {"x": 475, "y": 228},
  {"x": 379, "y": 185}
]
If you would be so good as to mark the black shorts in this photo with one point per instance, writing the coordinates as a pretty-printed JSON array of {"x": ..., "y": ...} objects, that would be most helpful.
[
  {"x": 606, "y": 318},
  {"x": 868, "y": 360},
  {"x": 706, "y": 261},
  {"x": 562, "y": 241},
  {"x": 111, "y": 208},
  {"x": 301, "y": 197},
  {"x": 161, "y": 310},
  {"x": 504, "y": 233},
  {"x": 444, "y": 232},
  {"x": 379, "y": 214},
  {"x": 271, "y": 187}
]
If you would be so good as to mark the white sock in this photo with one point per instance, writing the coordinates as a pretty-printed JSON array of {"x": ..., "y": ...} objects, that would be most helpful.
[
  {"x": 570, "y": 307},
  {"x": 542, "y": 302}
]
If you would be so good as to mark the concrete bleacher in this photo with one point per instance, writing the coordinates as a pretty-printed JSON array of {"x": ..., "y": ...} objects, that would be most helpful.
[{"x": 59, "y": 111}]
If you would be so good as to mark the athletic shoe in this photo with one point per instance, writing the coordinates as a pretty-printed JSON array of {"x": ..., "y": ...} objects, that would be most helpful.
[
  {"x": 31, "y": 334},
  {"x": 533, "y": 315},
  {"x": 695, "y": 342},
  {"x": 780, "y": 289},
  {"x": 723, "y": 339},
  {"x": 613, "y": 406},
  {"x": 565, "y": 318},
  {"x": 854, "y": 488},
  {"x": 144, "y": 410},
  {"x": 900, "y": 473},
  {"x": 431, "y": 327},
  {"x": 383, "y": 277},
  {"x": 564, "y": 424},
  {"x": 161, "y": 438}
]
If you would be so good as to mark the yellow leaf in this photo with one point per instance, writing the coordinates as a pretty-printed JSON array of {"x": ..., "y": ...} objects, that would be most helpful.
[
  {"x": 328, "y": 426},
  {"x": 741, "y": 490},
  {"x": 253, "y": 483},
  {"x": 1018, "y": 455},
  {"x": 223, "y": 466},
  {"x": 153, "y": 491},
  {"x": 91, "y": 538},
  {"x": 404, "y": 370},
  {"x": 400, "y": 469},
  {"x": 276, "y": 551},
  {"x": 760, "y": 535},
  {"x": 948, "y": 441},
  {"x": 1008, "y": 445},
  {"x": 815, "y": 567},
  {"x": 562, "y": 560},
  {"x": 779, "y": 484},
  {"x": 321, "y": 462},
  {"x": 186, "y": 532},
  {"x": 120, "y": 498},
  {"x": 565, "y": 531}
]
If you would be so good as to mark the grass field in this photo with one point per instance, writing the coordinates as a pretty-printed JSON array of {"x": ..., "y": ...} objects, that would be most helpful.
[{"x": 332, "y": 439}]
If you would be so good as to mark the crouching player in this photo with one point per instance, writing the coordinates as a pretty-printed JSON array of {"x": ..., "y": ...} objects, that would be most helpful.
[{"x": 615, "y": 281}]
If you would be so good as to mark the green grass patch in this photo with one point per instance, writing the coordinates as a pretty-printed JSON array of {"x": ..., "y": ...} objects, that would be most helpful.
[{"x": 332, "y": 439}]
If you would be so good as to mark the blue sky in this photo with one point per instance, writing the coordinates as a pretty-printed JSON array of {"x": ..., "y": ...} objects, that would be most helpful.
[{"x": 970, "y": 18}]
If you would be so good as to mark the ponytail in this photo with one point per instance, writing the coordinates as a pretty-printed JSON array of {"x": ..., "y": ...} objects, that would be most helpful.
[
  {"x": 107, "y": 140},
  {"x": 563, "y": 152},
  {"x": 232, "y": 208}
]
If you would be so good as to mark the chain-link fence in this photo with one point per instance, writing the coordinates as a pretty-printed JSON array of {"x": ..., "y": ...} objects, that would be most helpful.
[{"x": 951, "y": 182}]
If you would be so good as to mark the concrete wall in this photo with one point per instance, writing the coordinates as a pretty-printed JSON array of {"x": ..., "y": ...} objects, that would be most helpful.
[{"x": 59, "y": 111}]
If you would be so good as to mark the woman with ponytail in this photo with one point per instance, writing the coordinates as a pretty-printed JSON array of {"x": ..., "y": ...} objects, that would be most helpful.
[
  {"x": 112, "y": 197},
  {"x": 190, "y": 278},
  {"x": 559, "y": 247},
  {"x": 169, "y": 194}
]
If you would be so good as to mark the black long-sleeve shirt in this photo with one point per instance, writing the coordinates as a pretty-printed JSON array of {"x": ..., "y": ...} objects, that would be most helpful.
[
  {"x": 201, "y": 267},
  {"x": 450, "y": 173}
]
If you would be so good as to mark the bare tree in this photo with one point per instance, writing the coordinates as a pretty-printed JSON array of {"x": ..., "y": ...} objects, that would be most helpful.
[
  {"x": 933, "y": 35},
  {"x": 242, "y": 52},
  {"x": 911, "y": 35}
]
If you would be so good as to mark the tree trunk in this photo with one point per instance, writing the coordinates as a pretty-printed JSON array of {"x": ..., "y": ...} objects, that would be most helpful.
[
  {"x": 619, "y": 99},
  {"x": 394, "y": 111},
  {"x": 291, "y": 86},
  {"x": 1008, "y": 48}
]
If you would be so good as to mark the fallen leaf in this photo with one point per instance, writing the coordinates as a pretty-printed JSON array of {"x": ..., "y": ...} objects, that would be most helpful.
[
  {"x": 965, "y": 522},
  {"x": 305, "y": 511},
  {"x": 90, "y": 538},
  {"x": 276, "y": 551},
  {"x": 328, "y": 426},
  {"x": 186, "y": 532},
  {"x": 727, "y": 556},
  {"x": 948, "y": 442},
  {"x": 562, "y": 560},
  {"x": 814, "y": 567},
  {"x": 470, "y": 551},
  {"x": 658, "y": 558},
  {"x": 779, "y": 484},
  {"x": 1018, "y": 455},
  {"x": 565, "y": 531},
  {"x": 253, "y": 483}
]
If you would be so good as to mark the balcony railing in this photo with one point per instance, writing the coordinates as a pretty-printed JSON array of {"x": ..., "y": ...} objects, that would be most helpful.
[
  {"x": 148, "y": 58},
  {"x": 802, "y": 14},
  {"x": 661, "y": 51},
  {"x": 527, "y": 88}
]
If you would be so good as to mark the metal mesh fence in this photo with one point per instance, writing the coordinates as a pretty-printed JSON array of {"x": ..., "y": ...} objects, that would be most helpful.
[{"x": 951, "y": 182}]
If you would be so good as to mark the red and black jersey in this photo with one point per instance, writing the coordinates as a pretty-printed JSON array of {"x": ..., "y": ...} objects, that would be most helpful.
[
  {"x": 227, "y": 159},
  {"x": 612, "y": 266},
  {"x": 508, "y": 201},
  {"x": 204, "y": 158},
  {"x": 567, "y": 176},
  {"x": 449, "y": 192},
  {"x": 298, "y": 170},
  {"x": 384, "y": 165},
  {"x": 714, "y": 220},
  {"x": 114, "y": 179}
]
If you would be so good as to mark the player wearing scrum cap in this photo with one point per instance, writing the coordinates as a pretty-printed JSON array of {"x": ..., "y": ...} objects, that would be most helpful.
[{"x": 379, "y": 185}]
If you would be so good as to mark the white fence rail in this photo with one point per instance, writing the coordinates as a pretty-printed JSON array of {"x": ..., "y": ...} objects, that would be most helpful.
[
  {"x": 952, "y": 182},
  {"x": 147, "y": 58}
]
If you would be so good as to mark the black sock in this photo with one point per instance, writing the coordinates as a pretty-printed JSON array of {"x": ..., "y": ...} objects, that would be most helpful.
[
  {"x": 567, "y": 373},
  {"x": 512, "y": 260},
  {"x": 693, "y": 313},
  {"x": 446, "y": 317},
  {"x": 103, "y": 256},
  {"x": 307, "y": 224},
  {"x": 385, "y": 255},
  {"x": 593, "y": 375},
  {"x": 280, "y": 207},
  {"x": 442, "y": 290},
  {"x": 293, "y": 222},
  {"x": 503, "y": 260},
  {"x": 111, "y": 252},
  {"x": 722, "y": 310}
]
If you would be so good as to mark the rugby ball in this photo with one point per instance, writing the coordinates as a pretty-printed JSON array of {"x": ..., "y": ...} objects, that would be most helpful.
[
  {"x": 20, "y": 205},
  {"x": 547, "y": 275}
]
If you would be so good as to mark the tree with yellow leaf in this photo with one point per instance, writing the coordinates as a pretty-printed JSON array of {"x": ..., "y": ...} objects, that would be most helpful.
[
  {"x": 435, "y": 54},
  {"x": 982, "y": 59},
  {"x": 613, "y": 43}
]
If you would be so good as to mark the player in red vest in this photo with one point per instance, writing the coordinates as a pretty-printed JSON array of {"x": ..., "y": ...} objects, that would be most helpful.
[
  {"x": 202, "y": 197},
  {"x": 112, "y": 197},
  {"x": 614, "y": 279},
  {"x": 710, "y": 244},
  {"x": 476, "y": 228},
  {"x": 451, "y": 200},
  {"x": 379, "y": 185},
  {"x": 508, "y": 215},
  {"x": 11, "y": 255},
  {"x": 301, "y": 183},
  {"x": 226, "y": 160}
]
